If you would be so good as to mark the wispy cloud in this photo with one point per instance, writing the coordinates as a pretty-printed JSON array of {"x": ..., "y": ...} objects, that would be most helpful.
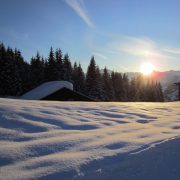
[
  {"x": 79, "y": 7},
  {"x": 8, "y": 31},
  {"x": 174, "y": 51},
  {"x": 100, "y": 55},
  {"x": 143, "y": 48}
]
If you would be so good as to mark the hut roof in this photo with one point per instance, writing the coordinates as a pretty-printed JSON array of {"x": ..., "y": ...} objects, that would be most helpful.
[{"x": 46, "y": 89}]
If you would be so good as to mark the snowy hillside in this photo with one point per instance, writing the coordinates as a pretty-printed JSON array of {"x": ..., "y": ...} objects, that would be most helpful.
[{"x": 80, "y": 140}]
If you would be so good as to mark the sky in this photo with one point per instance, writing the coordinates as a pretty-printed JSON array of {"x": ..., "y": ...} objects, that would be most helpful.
[{"x": 121, "y": 34}]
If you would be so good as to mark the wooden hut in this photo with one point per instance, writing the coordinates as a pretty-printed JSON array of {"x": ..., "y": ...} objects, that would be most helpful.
[{"x": 55, "y": 91}]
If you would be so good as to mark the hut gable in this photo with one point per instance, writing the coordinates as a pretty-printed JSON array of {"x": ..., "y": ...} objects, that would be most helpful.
[{"x": 66, "y": 94}]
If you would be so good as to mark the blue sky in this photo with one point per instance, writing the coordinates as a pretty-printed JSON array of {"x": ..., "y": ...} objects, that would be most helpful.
[{"x": 121, "y": 34}]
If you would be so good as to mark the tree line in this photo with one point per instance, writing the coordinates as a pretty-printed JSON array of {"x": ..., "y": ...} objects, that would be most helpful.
[{"x": 18, "y": 76}]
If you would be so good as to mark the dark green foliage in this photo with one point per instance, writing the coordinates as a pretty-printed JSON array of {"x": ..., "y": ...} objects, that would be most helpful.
[
  {"x": 159, "y": 91},
  {"x": 99, "y": 85},
  {"x": 10, "y": 81},
  {"x": 51, "y": 69},
  {"x": 118, "y": 87},
  {"x": 24, "y": 71},
  {"x": 126, "y": 87},
  {"x": 108, "y": 91},
  {"x": 132, "y": 90},
  {"x": 18, "y": 76},
  {"x": 25, "y": 75},
  {"x": 37, "y": 70},
  {"x": 67, "y": 68},
  {"x": 93, "y": 81},
  {"x": 78, "y": 78},
  {"x": 146, "y": 90},
  {"x": 59, "y": 64}
]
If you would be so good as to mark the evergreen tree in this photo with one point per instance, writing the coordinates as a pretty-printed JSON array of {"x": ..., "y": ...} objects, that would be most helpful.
[
  {"x": 37, "y": 70},
  {"x": 133, "y": 90},
  {"x": 150, "y": 91},
  {"x": 126, "y": 87},
  {"x": 24, "y": 71},
  {"x": 75, "y": 77},
  {"x": 9, "y": 75},
  {"x": 159, "y": 92},
  {"x": 51, "y": 69},
  {"x": 92, "y": 80},
  {"x": 114, "y": 85},
  {"x": 59, "y": 64},
  {"x": 99, "y": 84},
  {"x": 140, "y": 88},
  {"x": 78, "y": 78},
  {"x": 108, "y": 92},
  {"x": 117, "y": 82},
  {"x": 2, "y": 69},
  {"x": 25, "y": 75},
  {"x": 67, "y": 68}
]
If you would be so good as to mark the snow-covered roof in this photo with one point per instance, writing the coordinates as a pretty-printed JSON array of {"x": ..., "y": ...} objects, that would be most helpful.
[{"x": 46, "y": 89}]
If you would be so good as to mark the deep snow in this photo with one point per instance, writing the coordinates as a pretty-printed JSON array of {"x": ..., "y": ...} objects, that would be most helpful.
[{"x": 87, "y": 140}]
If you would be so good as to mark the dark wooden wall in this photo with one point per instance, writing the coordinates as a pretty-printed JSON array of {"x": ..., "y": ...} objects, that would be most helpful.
[{"x": 65, "y": 94}]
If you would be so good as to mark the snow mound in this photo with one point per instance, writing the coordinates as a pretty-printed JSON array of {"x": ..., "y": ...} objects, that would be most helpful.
[
  {"x": 46, "y": 89},
  {"x": 88, "y": 140}
]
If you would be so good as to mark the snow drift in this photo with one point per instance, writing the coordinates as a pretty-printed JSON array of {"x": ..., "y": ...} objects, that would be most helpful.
[{"x": 80, "y": 140}]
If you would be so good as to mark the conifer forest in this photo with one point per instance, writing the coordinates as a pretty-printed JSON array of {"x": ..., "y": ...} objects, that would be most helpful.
[{"x": 18, "y": 76}]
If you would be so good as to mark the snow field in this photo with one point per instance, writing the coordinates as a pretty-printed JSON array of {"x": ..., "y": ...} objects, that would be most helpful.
[{"x": 76, "y": 140}]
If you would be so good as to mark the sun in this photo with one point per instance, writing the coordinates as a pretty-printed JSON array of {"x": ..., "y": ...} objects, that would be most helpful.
[{"x": 147, "y": 68}]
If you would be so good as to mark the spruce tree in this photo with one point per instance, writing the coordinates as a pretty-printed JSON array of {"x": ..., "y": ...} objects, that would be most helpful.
[
  {"x": 75, "y": 77},
  {"x": 159, "y": 92},
  {"x": 126, "y": 87},
  {"x": 24, "y": 71},
  {"x": 37, "y": 70},
  {"x": 150, "y": 91},
  {"x": 59, "y": 64},
  {"x": 99, "y": 84},
  {"x": 9, "y": 75},
  {"x": 133, "y": 90},
  {"x": 92, "y": 79},
  {"x": 78, "y": 78},
  {"x": 2, "y": 69},
  {"x": 51, "y": 70},
  {"x": 67, "y": 68},
  {"x": 108, "y": 92},
  {"x": 117, "y": 82},
  {"x": 140, "y": 88}
]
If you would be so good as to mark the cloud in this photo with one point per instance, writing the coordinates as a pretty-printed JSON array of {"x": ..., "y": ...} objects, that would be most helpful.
[
  {"x": 8, "y": 31},
  {"x": 98, "y": 54},
  {"x": 79, "y": 7},
  {"x": 174, "y": 51},
  {"x": 141, "y": 47}
]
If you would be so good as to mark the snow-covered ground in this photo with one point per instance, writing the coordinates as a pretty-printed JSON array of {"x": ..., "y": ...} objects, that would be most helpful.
[{"x": 87, "y": 140}]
